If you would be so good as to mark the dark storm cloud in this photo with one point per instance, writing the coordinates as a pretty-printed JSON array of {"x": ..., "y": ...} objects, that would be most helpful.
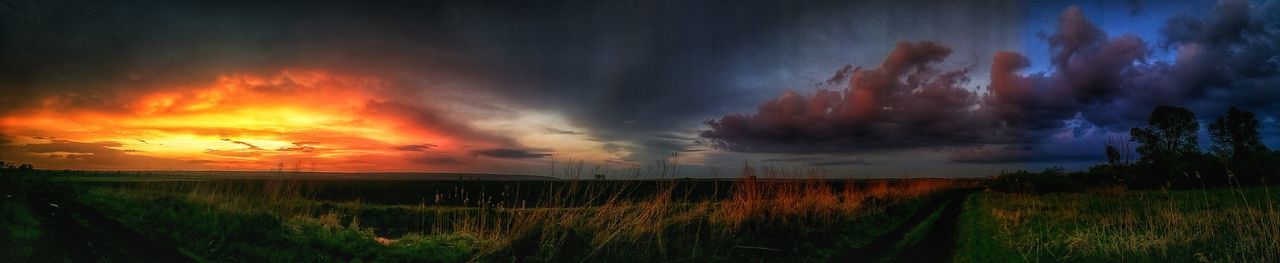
[
  {"x": 1231, "y": 56},
  {"x": 511, "y": 153},
  {"x": 905, "y": 102},
  {"x": 1098, "y": 86},
  {"x": 1089, "y": 70},
  {"x": 621, "y": 70}
]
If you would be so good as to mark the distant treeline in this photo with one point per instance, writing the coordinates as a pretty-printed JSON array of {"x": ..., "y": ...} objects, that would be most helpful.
[
  {"x": 15, "y": 166},
  {"x": 1169, "y": 157}
]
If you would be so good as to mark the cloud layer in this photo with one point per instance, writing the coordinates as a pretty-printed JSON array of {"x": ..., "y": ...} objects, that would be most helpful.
[
  {"x": 1098, "y": 86},
  {"x": 447, "y": 85},
  {"x": 247, "y": 121},
  {"x": 619, "y": 74},
  {"x": 905, "y": 102}
]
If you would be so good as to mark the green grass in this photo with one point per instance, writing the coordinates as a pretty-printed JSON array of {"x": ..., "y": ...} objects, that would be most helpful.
[
  {"x": 917, "y": 233},
  {"x": 1229, "y": 225},
  {"x": 882, "y": 223},
  {"x": 282, "y": 220},
  {"x": 20, "y": 232},
  {"x": 212, "y": 233},
  {"x": 212, "y": 222},
  {"x": 974, "y": 242}
]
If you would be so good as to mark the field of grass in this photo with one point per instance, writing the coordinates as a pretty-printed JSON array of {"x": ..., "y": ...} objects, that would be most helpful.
[
  {"x": 778, "y": 216},
  {"x": 1214, "y": 225},
  {"x": 20, "y": 229}
]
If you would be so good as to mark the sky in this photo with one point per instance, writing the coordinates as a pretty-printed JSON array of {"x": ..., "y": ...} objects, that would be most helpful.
[{"x": 856, "y": 88}]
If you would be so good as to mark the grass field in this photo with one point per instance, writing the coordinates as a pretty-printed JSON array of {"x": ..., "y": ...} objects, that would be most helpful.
[
  {"x": 774, "y": 218},
  {"x": 1215, "y": 225},
  {"x": 85, "y": 217},
  {"x": 21, "y": 230}
]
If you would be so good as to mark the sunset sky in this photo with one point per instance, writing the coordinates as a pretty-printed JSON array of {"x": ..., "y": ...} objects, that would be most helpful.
[{"x": 858, "y": 88}]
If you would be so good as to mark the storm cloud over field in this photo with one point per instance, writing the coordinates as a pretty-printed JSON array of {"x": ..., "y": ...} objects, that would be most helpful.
[
  {"x": 1098, "y": 85},
  {"x": 493, "y": 86}
]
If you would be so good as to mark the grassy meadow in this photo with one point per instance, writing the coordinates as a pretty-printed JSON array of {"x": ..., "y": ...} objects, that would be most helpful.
[
  {"x": 1110, "y": 225},
  {"x": 765, "y": 215},
  {"x": 780, "y": 215}
]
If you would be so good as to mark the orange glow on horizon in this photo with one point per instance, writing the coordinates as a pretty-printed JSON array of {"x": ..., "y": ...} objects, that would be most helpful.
[{"x": 246, "y": 122}]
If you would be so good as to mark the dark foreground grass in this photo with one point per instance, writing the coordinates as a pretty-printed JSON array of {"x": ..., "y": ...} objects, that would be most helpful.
[
  {"x": 207, "y": 231},
  {"x": 20, "y": 232},
  {"x": 328, "y": 232},
  {"x": 976, "y": 240},
  {"x": 802, "y": 220},
  {"x": 919, "y": 232},
  {"x": 1221, "y": 225},
  {"x": 792, "y": 220}
]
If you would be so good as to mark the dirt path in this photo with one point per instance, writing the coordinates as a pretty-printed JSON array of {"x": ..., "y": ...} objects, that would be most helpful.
[
  {"x": 936, "y": 246},
  {"x": 82, "y": 234},
  {"x": 939, "y": 244}
]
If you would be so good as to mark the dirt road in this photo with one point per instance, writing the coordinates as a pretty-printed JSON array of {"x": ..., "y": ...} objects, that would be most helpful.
[{"x": 928, "y": 235}]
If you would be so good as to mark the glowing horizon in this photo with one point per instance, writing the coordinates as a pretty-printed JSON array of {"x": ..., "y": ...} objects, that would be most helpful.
[
  {"x": 859, "y": 88},
  {"x": 253, "y": 122}
]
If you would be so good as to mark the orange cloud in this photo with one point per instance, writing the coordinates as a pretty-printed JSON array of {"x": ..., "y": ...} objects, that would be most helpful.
[{"x": 247, "y": 121}]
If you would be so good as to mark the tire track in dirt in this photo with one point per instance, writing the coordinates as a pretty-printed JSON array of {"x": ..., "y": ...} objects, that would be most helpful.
[{"x": 937, "y": 245}]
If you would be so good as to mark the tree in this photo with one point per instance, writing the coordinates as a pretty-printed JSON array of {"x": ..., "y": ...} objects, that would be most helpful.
[
  {"x": 1236, "y": 136},
  {"x": 1170, "y": 135},
  {"x": 1119, "y": 152},
  {"x": 1113, "y": 156}
]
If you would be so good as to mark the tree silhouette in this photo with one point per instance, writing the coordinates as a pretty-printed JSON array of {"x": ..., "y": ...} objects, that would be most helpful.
[
  {"x": 1119, "y": 152},
  {"x": 1235, "y": 136},
  {"x": 1170, "y": 135},
  {"x": 1113, "y": 156}
]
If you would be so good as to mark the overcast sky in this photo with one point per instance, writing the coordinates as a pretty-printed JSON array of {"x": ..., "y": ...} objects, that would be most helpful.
[{"x": 857, "y": 88}]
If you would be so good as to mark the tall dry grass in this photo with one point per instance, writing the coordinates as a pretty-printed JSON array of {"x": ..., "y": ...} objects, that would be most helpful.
[
  {"x": 760, "y": 196},
  {"x": 592, "y": 216}
]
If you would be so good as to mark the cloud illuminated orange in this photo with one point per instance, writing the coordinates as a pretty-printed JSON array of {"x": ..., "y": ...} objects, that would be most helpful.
[{"x": 247, "y": 121}]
